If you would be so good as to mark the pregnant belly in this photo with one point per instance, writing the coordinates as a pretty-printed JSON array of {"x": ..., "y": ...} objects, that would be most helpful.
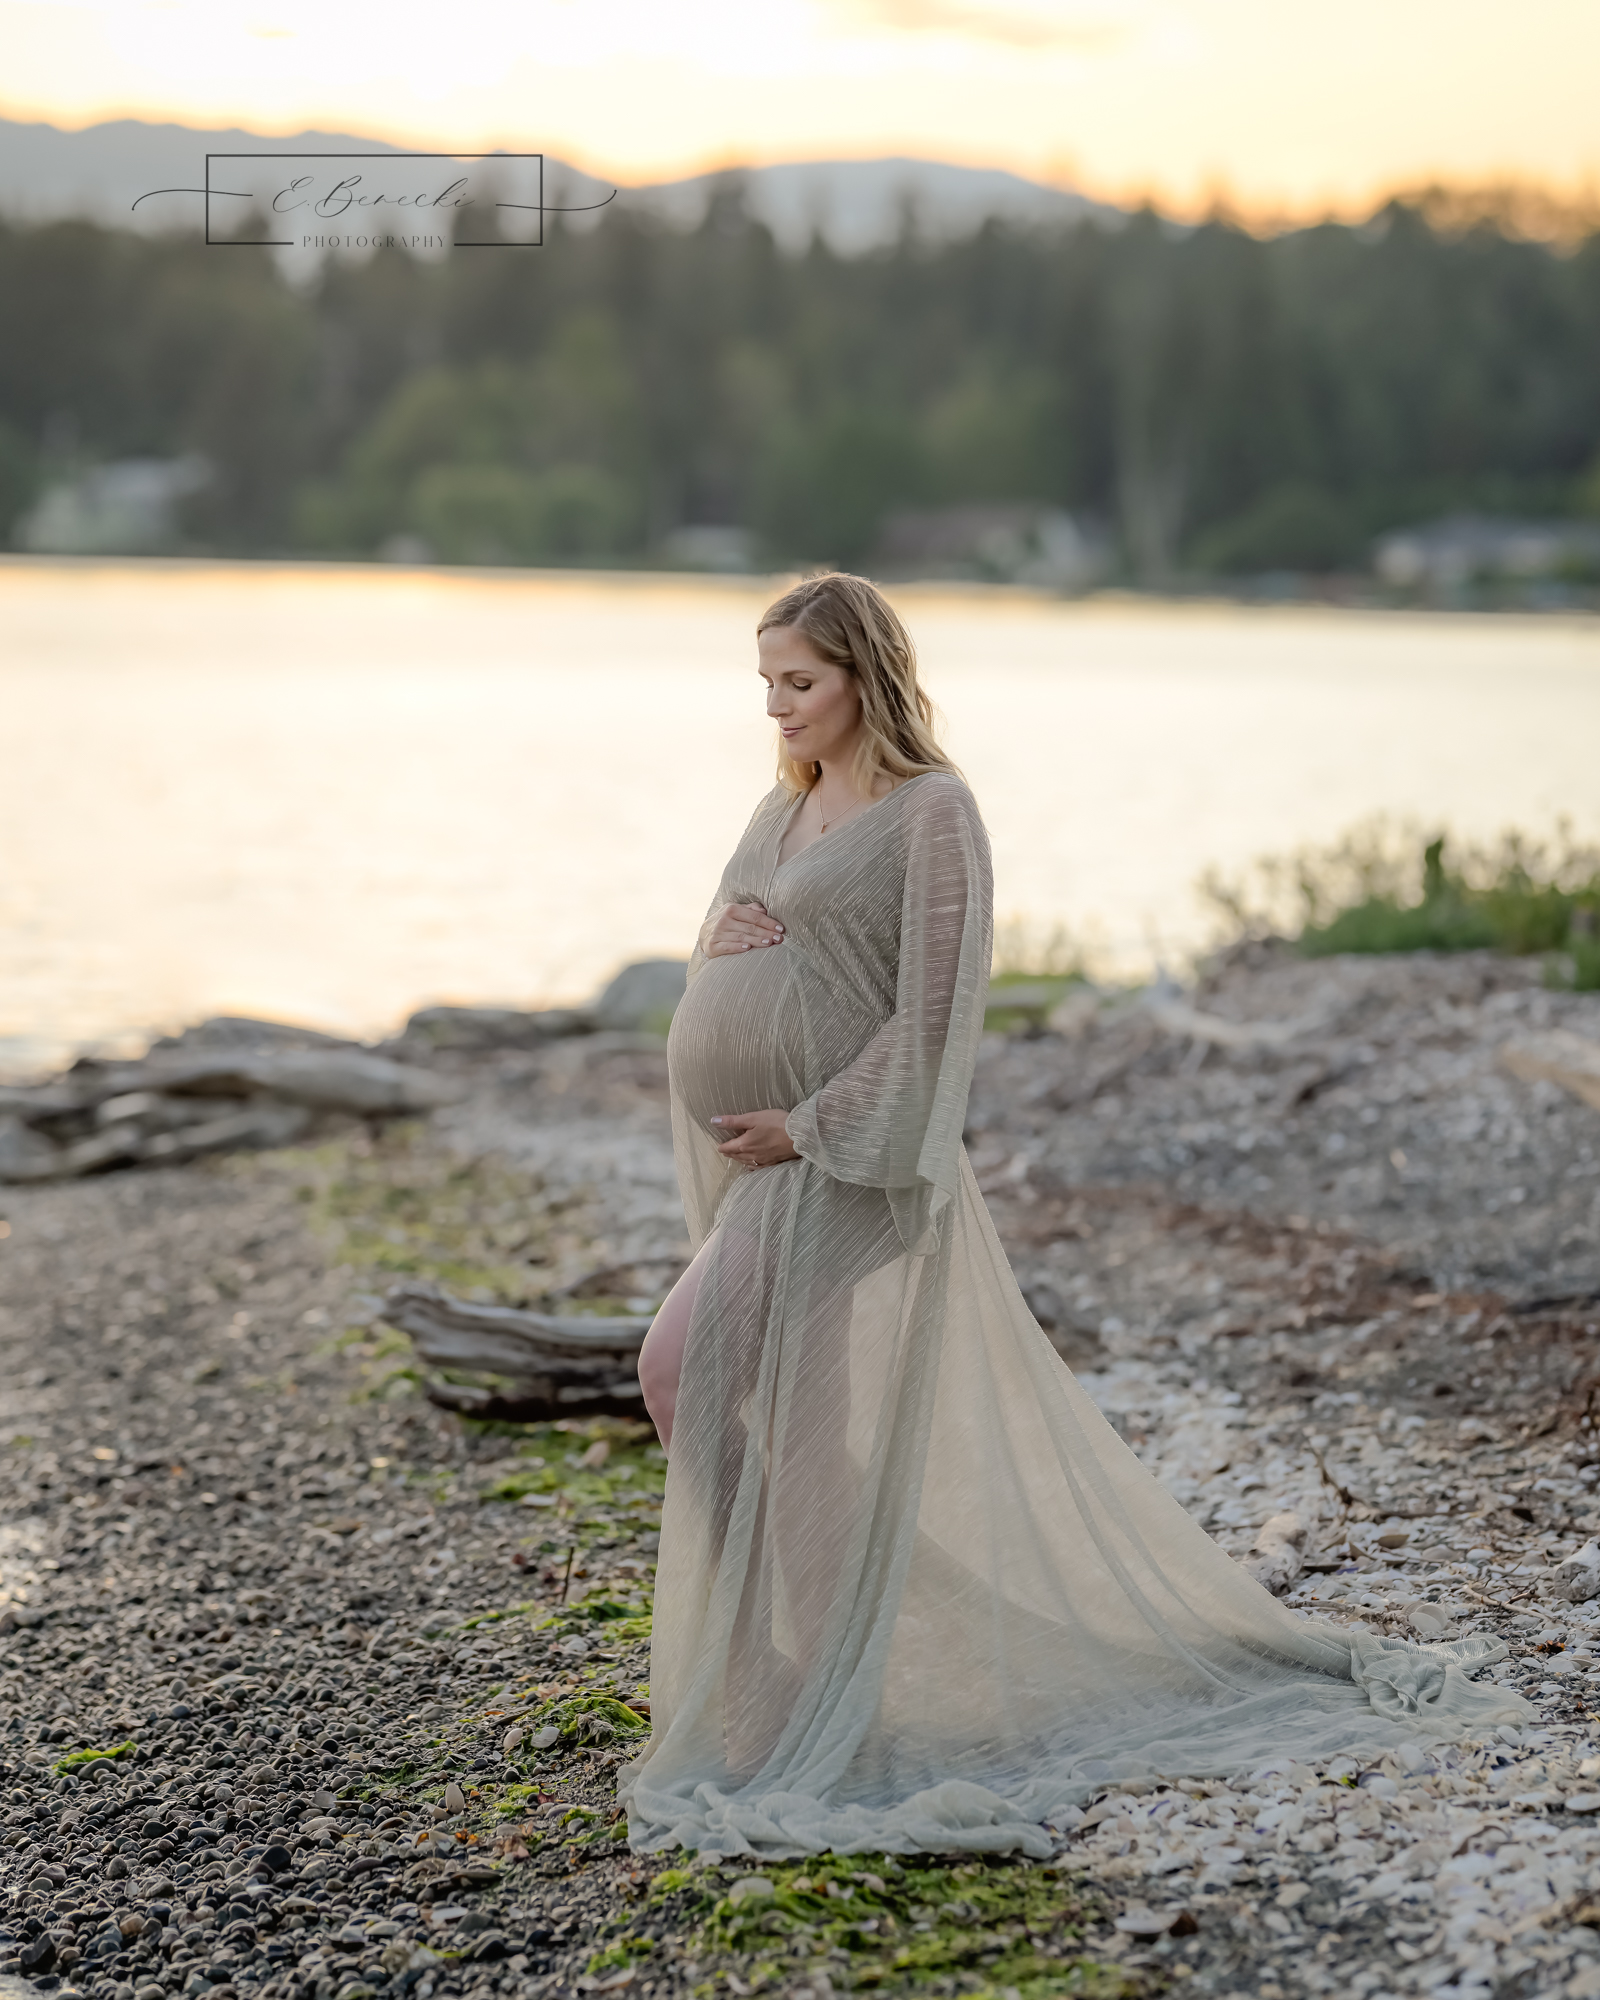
[{"x": 738, "y": 1036}]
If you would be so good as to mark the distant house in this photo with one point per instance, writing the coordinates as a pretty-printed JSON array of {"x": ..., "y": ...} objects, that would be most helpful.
[
  {"x": 126, "y": 508},
  {"x": 713, "y": 548},
  {"x": 1445, "y": 553},
  {"x": 1010, "y": 544}
]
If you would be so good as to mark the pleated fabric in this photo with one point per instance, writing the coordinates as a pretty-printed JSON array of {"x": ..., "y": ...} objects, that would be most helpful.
[{"x": 914, "y": 1593}]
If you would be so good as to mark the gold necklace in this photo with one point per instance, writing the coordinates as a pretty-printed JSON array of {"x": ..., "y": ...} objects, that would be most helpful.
[{"x": 824, "y": 824}]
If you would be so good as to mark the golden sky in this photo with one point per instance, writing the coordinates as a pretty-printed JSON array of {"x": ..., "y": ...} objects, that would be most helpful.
[{"x": 1288, "y": 106}]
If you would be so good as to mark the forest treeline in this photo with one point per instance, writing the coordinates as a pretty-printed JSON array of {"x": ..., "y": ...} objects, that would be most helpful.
[{"x": 1217, "y": 400}]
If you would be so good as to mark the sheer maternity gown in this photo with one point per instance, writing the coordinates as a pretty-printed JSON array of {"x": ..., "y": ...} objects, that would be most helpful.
[{"x": 914, "y": 1591}]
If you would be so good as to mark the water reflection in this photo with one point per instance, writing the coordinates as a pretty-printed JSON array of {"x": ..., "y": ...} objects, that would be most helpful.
[{"x": 332, "y": 794}]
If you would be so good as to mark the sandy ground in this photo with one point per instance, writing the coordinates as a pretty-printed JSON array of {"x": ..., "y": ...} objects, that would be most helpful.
[{"x": 1356, "y": 1277}]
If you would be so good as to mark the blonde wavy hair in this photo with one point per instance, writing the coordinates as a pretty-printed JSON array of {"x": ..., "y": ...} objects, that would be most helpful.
[{"x": 848, "y": 622}]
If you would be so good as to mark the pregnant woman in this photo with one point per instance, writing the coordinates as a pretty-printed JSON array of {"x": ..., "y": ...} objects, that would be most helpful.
[{"x": 914, "y": 1592}]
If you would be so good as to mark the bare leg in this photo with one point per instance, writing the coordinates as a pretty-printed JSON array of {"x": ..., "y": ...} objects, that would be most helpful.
[{"x": 661, "y": 1356}]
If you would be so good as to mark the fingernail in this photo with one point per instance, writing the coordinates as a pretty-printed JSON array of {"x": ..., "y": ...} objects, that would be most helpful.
[{"x": 716, "y": 1121}]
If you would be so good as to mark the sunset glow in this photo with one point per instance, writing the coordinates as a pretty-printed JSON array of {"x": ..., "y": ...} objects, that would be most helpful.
[{"x": 1281, "y": 110}]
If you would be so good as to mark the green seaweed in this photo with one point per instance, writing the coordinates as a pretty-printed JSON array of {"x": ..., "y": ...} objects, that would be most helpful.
[
  {"x": 874, "y": 1922},
  {"x": 394, "y": 1207},
  {"x": 567, "y": 1712},
  {"x": 621, "y": 1952},
  {"x": 76, "y": 1760}
]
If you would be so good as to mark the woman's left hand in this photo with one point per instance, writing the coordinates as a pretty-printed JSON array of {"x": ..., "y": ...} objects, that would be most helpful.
[{"x": 756, "y": 1138}]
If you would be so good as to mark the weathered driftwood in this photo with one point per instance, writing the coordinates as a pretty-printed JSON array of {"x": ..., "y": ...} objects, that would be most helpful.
[
  {"x": 553, "y": 1366},
  {"x": 1179, "y": 1017},
  {"x": 1557, "y": 1056},
  {"x": 231, "y": 1081},
  {"x": 178, "y": 1103}
]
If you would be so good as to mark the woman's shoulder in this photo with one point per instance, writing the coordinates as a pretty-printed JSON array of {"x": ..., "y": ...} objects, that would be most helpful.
[
  {"x": 938, "y": 795},
  {"x": 778, "y": 800}
]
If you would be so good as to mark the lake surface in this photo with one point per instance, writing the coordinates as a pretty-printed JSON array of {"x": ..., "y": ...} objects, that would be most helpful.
[{"x": 333, "y": 794}]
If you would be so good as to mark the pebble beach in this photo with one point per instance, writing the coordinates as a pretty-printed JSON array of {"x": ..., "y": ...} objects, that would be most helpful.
[{"x": 310, "y": 1690}]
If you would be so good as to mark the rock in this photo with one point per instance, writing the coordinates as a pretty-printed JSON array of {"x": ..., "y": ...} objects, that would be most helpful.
[
  {"x": 643, "y": 996},
  {"x": 231, "y": 1032},
  {"x": 1074, "y": 1013},
  {"x": 37, "y": 1958},
  {"x": 1152, "y": 1923},
  {"x": 750, "y": 1888},
  {"x": 1582, "y": 1802},
  {"x": 482, "y": 1028},
  {"x": 542, "y": 1739},
  {"x": 277, "y": 1858},
  {"x": 25, "y": 1155},
  {"x": 1580, "y": 1575},
  {"x": 1275, "y": 1561},
  {"x": 455, "y": 1800}
]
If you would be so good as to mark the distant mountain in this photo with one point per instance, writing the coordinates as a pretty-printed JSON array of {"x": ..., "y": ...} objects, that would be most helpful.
[
  {"x": 859, "y": 204},
  {"x": 100, "y": 172}
]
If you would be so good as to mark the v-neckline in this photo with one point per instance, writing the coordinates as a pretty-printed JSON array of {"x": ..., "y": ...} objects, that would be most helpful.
[{"x": 794, "y": 814}]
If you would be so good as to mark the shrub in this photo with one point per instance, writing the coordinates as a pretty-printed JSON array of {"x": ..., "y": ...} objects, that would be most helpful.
[{"x": 1379, "y": 889}]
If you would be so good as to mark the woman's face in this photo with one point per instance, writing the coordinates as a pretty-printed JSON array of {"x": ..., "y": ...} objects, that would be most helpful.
[{"x": 816, "y": 706}]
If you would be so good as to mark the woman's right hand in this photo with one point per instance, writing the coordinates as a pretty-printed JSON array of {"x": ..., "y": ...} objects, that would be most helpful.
[{"x": 738, "y": 927}]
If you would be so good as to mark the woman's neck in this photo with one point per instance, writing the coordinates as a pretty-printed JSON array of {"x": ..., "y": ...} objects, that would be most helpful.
[{"x": 836, "y": 780}]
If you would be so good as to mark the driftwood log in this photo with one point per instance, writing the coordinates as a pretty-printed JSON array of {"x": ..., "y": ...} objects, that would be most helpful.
[
  {"x": 1557, "y": 1056},
  {"x": 232, "y": 1082},
  {"x": 1169, "y": 1010},
  {"x": 176, "y": 1104},
  {"x": 551, "y": 1366}
]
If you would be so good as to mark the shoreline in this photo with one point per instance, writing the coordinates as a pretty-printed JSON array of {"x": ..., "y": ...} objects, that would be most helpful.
[{"x": 1344, "y": 597}]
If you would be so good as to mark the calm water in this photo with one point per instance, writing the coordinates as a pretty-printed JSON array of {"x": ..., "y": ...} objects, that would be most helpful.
[{"x": 334, "y": 794}]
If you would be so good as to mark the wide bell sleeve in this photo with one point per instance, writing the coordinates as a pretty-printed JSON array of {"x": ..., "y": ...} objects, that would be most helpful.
[{"x": 893, "y": 1118}]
